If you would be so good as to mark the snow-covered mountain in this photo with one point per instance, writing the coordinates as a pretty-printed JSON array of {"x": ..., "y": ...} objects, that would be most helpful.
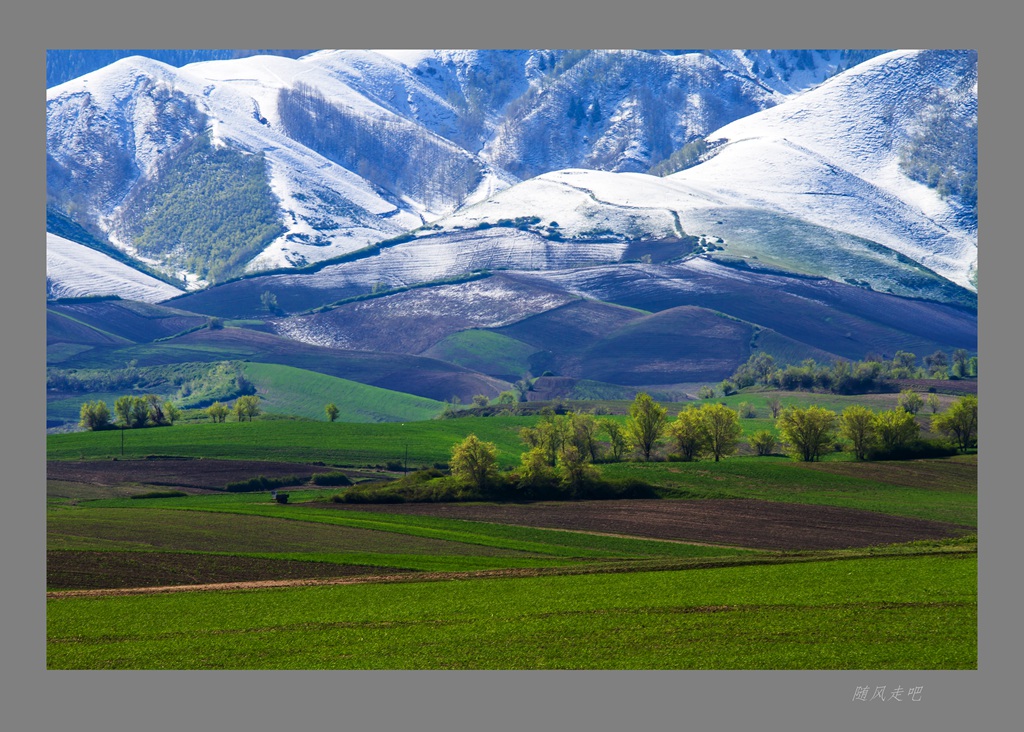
[
  {"x": 816, "y": 184},
  {"x": 310, "y": 158}
]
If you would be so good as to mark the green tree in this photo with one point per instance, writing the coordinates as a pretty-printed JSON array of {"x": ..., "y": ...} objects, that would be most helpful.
[
  {"x": 217, "y": 412},
  {"x": 904, "y": 360},
  {"x": 332, "y": 412},
  {"x": 155, "y": 411},
  {"x": 474, "y": 462},
  {"x": 575, "y": 469},
  {"x": 722, "y": 426},
  {"x": 763, "y": 365},
  {"x": 582, "y": 432},
  {"x": 706, "y": 392},
  {"x": 937, "y": 363},
  {"x": 746, "y": 410},
  {"x": 247, "y": 406},
  {"x": 507, "y": 397},
  {"x": 646, "y": 423},
  {"x": 895, "y": 428},
  {"x": 534, "y": 472},
  {"x": 616, "y": 437},
  {"x": 764, "y": 442},
  {"x": 171, "y": 413},
  {"x": 808, "y": 431},
  {"x": 959, "y": 422},
  {"x": 774, "y": 406},
  {"x": 689, "y": 433},
  {"x": 910, "y": 401},
  {"x": 857, "y": 424},
  {"x": 548, "y": 435},
  {"x": 269, "y": 301},
  {"x": 961, "y": 362},
  {"x": 139, "y": 411},
  {"x": 480, "y": 400},
  {"x": 933, "y": 403},
  {"x": 94, "y": 416},
  {"x": 123, "y": 410}
]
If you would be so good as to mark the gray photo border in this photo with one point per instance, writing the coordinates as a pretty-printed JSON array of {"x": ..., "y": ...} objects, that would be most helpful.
[{"x": 32, "y": 698}]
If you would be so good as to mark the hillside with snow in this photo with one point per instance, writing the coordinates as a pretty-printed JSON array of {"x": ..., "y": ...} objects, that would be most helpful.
[
  {"x": 74, "y": 270},
  {"x": 346, "y": 148},
  {"x": 812, "y": 185}
]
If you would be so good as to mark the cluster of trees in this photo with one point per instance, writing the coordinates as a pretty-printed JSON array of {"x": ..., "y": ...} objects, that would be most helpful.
[
  {"x": 393, "y": 154},
  {"x": 874, "y": 373},
  {"x": 150, "y": 411},
  {"x": 562, "y": 449},
  {"x": 942, "y": 153},
  {"x": 811, "y": 431},
  {"x": 211, "y": 210},
  {"x": 247, "y": 406},
  {"x": 131, "y": 412}
]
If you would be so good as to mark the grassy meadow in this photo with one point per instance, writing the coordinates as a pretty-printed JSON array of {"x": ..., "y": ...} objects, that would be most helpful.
[
  {"x": 380, "y": 589},
  {"x": 862, "y": 613}
]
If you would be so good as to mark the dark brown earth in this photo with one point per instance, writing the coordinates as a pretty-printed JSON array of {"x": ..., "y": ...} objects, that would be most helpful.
[
  {"x": 187, "y": 473},
  {"x": 75, "y": 570},
  {"x": 742, "y": 523}
]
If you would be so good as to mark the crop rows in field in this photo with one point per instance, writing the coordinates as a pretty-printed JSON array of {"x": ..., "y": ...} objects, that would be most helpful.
[{"x": 862, "y": 613}]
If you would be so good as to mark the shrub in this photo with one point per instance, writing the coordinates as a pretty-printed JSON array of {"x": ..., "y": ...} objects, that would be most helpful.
[
  {"x": 764, "y": 442},
  {"x": 161, "y": 494},
  {"x": 896, "y": 428},
  {"x": 262, "y": 483},
  {"x": 281, "y": 498},
  {"x": 808, "y": 431},
  {"x": 959, "y": 422},
  {"x": 914, "y": 450},
  {"x": 331, "y": 479}
]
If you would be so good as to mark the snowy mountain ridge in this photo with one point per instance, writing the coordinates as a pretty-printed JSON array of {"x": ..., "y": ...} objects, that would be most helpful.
[{"x": 806, "y": 155}]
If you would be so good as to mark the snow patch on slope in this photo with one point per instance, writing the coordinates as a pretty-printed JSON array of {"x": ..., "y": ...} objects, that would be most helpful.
[{"x": 74, "y": 270}]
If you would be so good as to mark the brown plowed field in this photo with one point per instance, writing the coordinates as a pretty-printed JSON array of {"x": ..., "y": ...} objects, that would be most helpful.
[
  {"x": 743, "y": 523},
  {"x": 209, "y": 474},
  {"x": 74, "y": 570}
]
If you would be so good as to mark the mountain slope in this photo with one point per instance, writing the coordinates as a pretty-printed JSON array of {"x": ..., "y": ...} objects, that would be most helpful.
[
  {"x": 813, "y": 185},
  {"x": 74, "y": 270},
  {"x": 361, "y": 146}
]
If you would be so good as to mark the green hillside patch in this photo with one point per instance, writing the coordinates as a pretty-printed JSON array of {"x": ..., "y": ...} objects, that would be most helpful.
[
  {"x": 794, "y": 245},
  {"x": 302, "y": 393},
  {"x": 937, "y": 490},
  {"x": 338, "y": 443},
  {"x": 485, "y": 351},
  {"x": 210, "y": 211},
  {"x": 851, "y": 614}
]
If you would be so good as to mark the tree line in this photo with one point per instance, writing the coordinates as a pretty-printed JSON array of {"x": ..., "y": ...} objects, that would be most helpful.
[
  {"x": 133, "y": 412},
  {"x": 561, "y": 450},
  {"x": 874, "y": 373}
]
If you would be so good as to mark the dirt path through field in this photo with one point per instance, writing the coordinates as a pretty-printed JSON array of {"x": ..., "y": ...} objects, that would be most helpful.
[{"x": 311, "y": 582}]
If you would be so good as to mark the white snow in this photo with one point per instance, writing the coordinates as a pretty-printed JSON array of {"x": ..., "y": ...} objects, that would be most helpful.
[{"x": 74, "y": 270}]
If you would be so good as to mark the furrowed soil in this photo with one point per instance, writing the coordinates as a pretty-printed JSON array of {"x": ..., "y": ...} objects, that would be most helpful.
[
  {"x": 87, "y": 570},
  {"x": 180, "y": 473},
  {"x": 740, "y": 522}
]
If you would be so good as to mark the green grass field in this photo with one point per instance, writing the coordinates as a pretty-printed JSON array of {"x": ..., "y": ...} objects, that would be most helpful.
[
  {"x": 302, "y": 393},
  {"x": 943, "y": 489},
  {"x": 486, "y": 352},
  {"x": 882, "y": 613},
  {"x": 568, "y": 599},
  {"x": 295, "y": 441}
]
